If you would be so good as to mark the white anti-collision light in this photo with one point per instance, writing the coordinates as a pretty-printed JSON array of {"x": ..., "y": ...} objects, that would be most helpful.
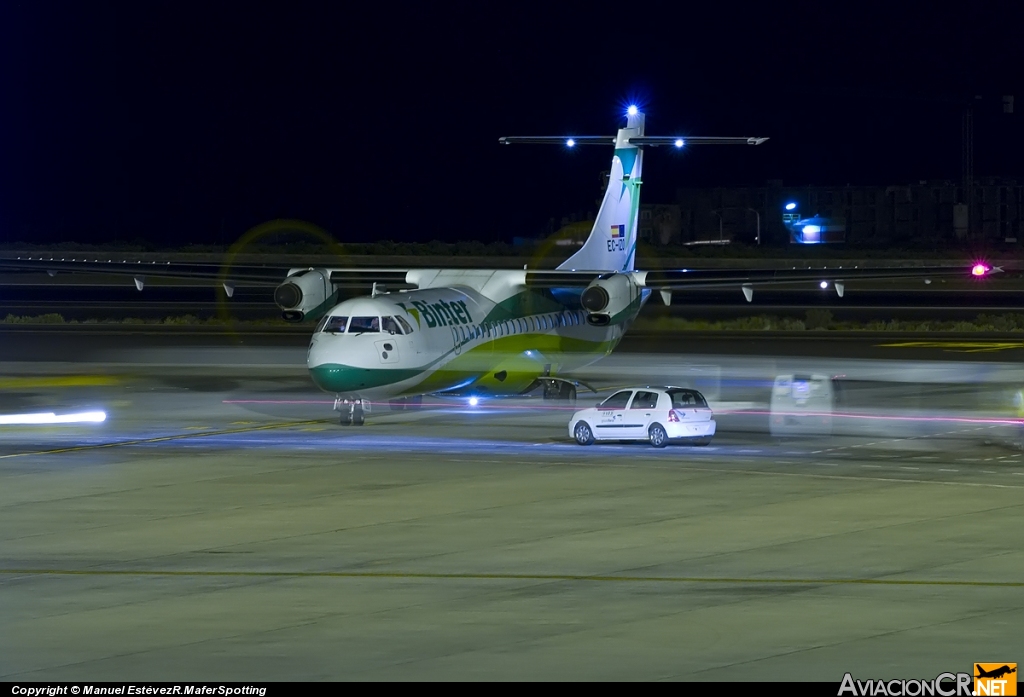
[
  {"x": 473, "y": 401},
  {"x": 680, "y": 143},
  {"x": 790, "y": 206},
  {"x": 569, "y": 143},
  {"x": 632, "y": 110},
  {"x": 84, "y": 417},
  {"x": 823, "y": 285}
]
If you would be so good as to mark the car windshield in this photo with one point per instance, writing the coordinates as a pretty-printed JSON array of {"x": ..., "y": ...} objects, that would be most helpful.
[
  {"x": 334, "y": 325},
  {"x": 358, "y": 325},
  {"x": 682, "y": 399}
]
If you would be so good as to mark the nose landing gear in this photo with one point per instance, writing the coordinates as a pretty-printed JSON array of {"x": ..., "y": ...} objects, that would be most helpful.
[{"x": 353, "y": 411}]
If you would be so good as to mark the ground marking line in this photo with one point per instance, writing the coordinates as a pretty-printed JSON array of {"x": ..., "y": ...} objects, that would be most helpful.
[
  {"x": 505, "y": 577},
  {"x": 161, "y": 439}
]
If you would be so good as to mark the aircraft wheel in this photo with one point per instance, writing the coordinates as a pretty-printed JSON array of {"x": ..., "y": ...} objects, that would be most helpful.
[
  {"x": 567, "y": 393},
  {"x": 358, "y": 418},
  {"x": 346, "y": 418},
  {"x": 583, "y": 433},
  {"x": 658, "y": 437}
]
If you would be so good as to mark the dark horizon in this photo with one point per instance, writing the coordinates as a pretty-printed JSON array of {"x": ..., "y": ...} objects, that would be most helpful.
[{"x": 179, "y": 123}]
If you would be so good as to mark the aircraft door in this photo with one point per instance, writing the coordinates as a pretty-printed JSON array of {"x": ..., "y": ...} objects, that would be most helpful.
[{"x": 387, "y": 350}]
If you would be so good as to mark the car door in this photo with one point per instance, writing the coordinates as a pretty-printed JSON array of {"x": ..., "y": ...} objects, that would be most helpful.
[
  {"x": 639, "y": 415},
  {"x": 611, "y": 416}
]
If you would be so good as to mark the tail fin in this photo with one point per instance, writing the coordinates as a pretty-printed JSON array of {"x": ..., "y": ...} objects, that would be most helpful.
[{"x": 612, "y": 242}]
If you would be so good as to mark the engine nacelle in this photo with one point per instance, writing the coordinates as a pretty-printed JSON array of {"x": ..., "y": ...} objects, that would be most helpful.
[
  {"x": 303, "y": 294},
  {"x": 610, "y": 299}
]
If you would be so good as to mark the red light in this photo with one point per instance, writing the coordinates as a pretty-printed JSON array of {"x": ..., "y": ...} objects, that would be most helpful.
[
  {"x": 979, "y": 270},
  {"x": 673, "y": 417}
]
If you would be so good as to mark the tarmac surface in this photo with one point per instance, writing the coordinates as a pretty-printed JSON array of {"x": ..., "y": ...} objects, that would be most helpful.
[{"x": 219, "y": 525}]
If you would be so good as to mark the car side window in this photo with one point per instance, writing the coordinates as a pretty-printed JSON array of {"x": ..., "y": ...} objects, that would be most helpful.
[
  {"x": 645, "y": 400},
  {"x": 619, "y": 400}
]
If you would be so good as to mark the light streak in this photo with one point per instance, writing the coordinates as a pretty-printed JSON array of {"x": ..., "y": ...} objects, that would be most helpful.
[{"x": 93, "y": 417}]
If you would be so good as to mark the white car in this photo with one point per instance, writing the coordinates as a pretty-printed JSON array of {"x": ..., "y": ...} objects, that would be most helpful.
[{"x": 655, "y": 414}]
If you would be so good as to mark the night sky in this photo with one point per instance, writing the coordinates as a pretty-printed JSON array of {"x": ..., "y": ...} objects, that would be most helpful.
[{"x": 177, "y": 122}]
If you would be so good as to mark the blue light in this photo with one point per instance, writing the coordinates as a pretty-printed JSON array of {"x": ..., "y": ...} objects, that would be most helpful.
[
  {"x": 790, "y": 206},
  {"x": 632, "y": 110},
  {"x": 569, "y": 143},
  {"x": 812, "y": 229},
  {"x": 679, "y": 142}
]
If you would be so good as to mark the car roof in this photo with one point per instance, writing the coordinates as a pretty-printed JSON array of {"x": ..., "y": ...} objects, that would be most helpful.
[{"x": 661, "y": 388}]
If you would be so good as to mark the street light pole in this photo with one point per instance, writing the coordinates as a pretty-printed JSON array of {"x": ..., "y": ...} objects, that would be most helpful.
[{"x": 758, "y": 214}]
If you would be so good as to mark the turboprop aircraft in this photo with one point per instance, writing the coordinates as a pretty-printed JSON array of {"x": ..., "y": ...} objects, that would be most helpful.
[{"x": 488, "y": 331}]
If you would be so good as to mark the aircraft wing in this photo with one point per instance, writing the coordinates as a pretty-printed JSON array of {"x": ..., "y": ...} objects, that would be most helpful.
[
  {"x": 90, "y": 264},
  {"x": 684, "y": 279}
]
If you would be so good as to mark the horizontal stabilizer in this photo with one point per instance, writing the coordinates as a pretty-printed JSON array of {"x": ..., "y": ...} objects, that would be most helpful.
[
  {"x": 557, "y": 140},
  {"x": 682, "y": 141},
  {"x": 654, "y": 141}
]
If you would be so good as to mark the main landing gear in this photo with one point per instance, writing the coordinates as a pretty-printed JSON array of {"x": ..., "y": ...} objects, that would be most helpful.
[
  {"x": 560, "y": 391},
  {"x": 353, "y": 411}
]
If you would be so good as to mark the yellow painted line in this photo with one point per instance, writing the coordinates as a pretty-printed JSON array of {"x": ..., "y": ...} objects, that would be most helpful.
[
  {"x": 25, "y": 382},
  {"x": 161, "y": 439},
  {"x": 959, "y": 346},
  {"x": 411, "y": 575}
]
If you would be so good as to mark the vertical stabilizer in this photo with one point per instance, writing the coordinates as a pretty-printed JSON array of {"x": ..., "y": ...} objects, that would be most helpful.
[{"x": 612, "y": 242}]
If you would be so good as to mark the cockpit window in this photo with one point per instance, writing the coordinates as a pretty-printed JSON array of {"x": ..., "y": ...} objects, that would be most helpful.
[
  {"x": 390, "y": 325},
  {"x": 405, "y": 325},
  {"x": 358, "y": 325},
  {"x": 334, "y": 325}
]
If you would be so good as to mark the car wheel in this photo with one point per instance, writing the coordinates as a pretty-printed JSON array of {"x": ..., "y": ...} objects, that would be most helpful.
[
  {"x": 583, "y": 433},
  {"x": 658, "y": 437}
]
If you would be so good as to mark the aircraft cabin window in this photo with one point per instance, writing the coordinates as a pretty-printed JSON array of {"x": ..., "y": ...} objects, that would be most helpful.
[
  {"x": 333, "y": 325},
  {"x": 405, "y": 325},
  {"x": 390, "y": 325},
  {"x": 358, "y": 325},
  {"x": 617, "y": 400}
]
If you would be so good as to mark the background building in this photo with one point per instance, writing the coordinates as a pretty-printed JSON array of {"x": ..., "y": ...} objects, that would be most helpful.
[{"x": 920, "y": 213}]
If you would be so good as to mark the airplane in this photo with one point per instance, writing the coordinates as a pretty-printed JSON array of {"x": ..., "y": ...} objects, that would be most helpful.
[
  {"x": 994, "y": 673},
  {"x": 490, "y": 332}
]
